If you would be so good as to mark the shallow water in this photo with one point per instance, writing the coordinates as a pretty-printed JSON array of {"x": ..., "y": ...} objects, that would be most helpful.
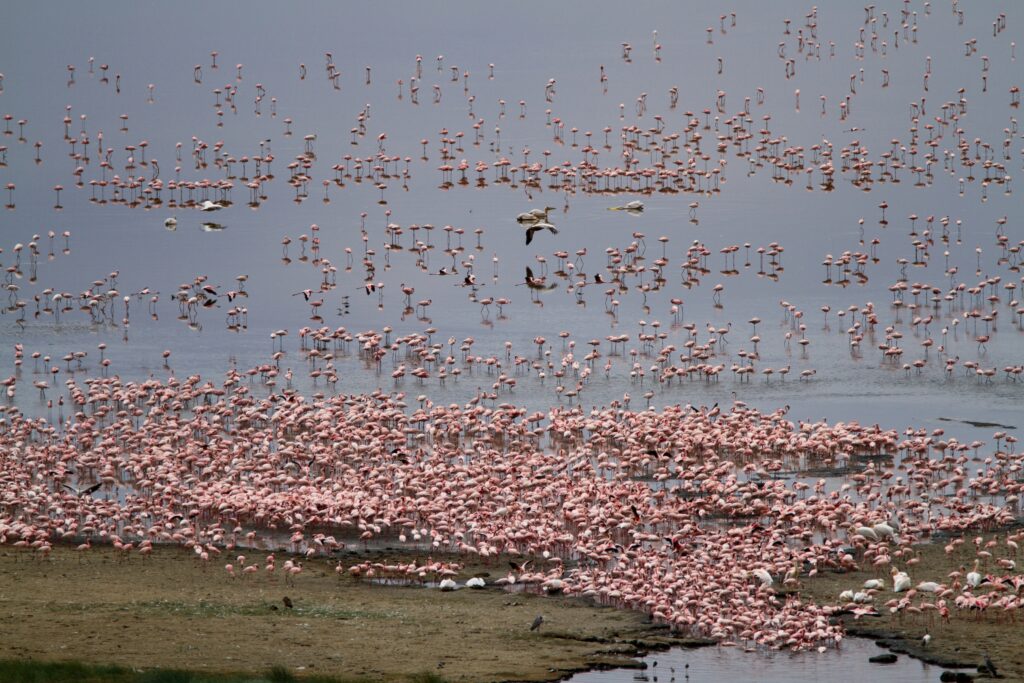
[
  {"x": 751, "y": 209},
  {"x": 527, "y": 45},
  {"x": 728, "y": 664}
]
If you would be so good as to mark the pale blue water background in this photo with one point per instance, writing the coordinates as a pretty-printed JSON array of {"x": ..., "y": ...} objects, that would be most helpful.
[{"x": 528, "y": 43}]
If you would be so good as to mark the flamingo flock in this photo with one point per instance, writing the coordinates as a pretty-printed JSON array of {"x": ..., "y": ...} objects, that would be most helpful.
[
  {"x": 664, "y": 511},
  {"x": 707, "y": 518}
]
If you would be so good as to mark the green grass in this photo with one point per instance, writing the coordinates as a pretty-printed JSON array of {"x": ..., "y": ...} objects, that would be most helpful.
[
  {"x": 31, "y": 671},
  {"x": 167, "y": 676},
  {"x": 58, "y": 672},
  {"x": 426, "y": 677}
]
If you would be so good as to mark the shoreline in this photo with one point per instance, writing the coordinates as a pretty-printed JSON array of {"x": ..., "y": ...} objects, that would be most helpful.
[
  {"x": 622, "y": 649},
  {"x": 169, "y": 612},
  {"x": 900, "y": 644},
  {"x": 960, "y": 642}
]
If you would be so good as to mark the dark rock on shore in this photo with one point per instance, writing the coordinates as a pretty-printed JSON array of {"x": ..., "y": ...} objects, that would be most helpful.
[{"x": 956, "y": 677}]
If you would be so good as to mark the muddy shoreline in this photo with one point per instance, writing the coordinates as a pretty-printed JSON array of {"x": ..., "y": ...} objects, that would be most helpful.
[
  {"x": 961, "y": 642},
  {"x": 95, "y": 606},
  {"x": 170, "y": 611}
]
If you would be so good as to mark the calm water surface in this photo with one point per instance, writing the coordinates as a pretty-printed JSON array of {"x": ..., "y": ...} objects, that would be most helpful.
[
  {"x": 726, "y": 664},
  {"x": 528, "y": 44}
]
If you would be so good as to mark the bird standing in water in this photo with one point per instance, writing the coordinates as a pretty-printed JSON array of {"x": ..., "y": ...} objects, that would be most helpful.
[{"x": 990, "y": 667}]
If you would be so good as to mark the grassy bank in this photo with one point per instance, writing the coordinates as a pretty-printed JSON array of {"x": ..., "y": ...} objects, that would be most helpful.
[
  {"x": 963, "y": 641},
  {"x": 31, "y": 671},
  {"x": 167, "y": 612}
]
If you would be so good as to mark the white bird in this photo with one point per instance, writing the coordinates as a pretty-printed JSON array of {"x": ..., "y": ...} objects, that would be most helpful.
[
  {"x": 866, "y": 532},
  {"x": 532, "y": 229},
  {"x": 846, "y": 596},
  {"x": 763, "y": 576},
  {"x": 925, "y": 639},
  {"x": 447, "y": 585},
  {"x": 635, "y": 205},
  {"x": 883, "y": 530},
  {"x": 476, "y": 582},
  {"x": 874, "y": 584},
  {"x": 535, "y": 215},
  {"x": 974, "y": 577},
  {"x": 210, "y": 226},
  {"x": 900, "y": 581},
  {"x": 210, "y": 206},
  {"x": 553, "y": 586},
  {"x": 929, "y": 587},
  {"x": 171, "y": 223},
  {"x": 861, "y": 597}
]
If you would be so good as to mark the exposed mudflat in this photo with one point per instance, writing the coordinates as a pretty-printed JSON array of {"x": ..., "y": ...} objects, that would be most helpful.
[
  {"x": 168, "y": 611},
  {"x": 962, "y": 641}
]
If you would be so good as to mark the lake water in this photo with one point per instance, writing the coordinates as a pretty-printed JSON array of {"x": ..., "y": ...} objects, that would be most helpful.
[
  {"x": 304, "y": 73},
  {"x": 716, "y": 663}
]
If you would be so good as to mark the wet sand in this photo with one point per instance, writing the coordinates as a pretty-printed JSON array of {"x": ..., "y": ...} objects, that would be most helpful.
[
  {"x": 167, "y": 611},
  {"x": 962, "y": 641}
]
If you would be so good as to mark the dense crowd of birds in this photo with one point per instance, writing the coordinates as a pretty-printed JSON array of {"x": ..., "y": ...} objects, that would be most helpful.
[
  {"x": 706, "y": 518},
  {"x": 686, "y": 513}
]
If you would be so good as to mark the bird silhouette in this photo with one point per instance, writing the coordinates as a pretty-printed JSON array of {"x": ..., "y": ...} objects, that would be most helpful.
[
  {"x": 990, "y": 667},
  {"x": 535, "y": 626},
  {"x": 287, "y": 602},
  {"x": 532, "y": 230},
  {"x": 540, "y": 283},
  {"x": 89, "y": 490}
]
